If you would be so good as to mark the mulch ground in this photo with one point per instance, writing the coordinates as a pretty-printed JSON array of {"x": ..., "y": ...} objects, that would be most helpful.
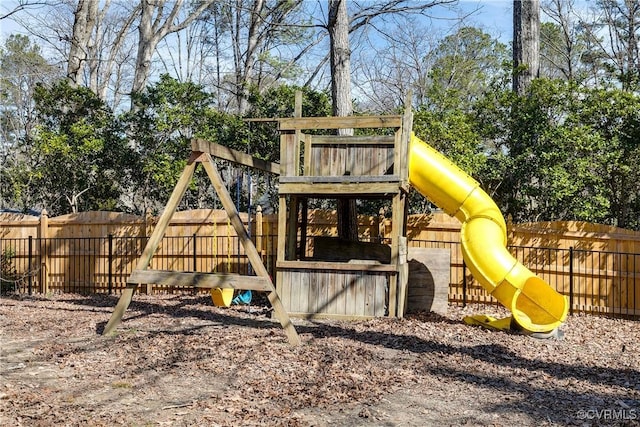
[{"x": 178, "y": 360}]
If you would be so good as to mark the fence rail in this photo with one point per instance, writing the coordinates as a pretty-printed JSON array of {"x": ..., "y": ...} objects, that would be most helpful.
[{"x": 596, "y": 281}]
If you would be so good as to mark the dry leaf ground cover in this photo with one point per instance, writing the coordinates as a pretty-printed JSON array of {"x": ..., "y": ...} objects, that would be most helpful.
[{"x": 177, "y": 360}]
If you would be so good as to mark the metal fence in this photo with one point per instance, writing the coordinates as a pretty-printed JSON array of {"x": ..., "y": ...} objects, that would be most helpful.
[
  {"x": 103, "y": 264},
  {"x": 595, "y": 281}
]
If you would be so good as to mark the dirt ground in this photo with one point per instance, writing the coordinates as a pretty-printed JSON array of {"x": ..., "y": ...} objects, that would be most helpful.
[{"x": 177, "y": 360}]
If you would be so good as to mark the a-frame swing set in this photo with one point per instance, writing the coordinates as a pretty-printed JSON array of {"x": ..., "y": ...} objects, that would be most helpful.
[{"x": 201, "y": 153}]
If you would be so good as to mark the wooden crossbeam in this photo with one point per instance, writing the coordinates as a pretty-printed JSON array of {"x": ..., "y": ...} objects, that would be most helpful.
[
  {"x": 337, "y": 266},
  {"x": 351, "y": 122},
  {"x": 345, "y": 179},
  {"x": 226, "y": 153},
  {"x": 199, "y": 280},
  {"x": 366, "y": 140},
  {"x": 323, "y": 188}
]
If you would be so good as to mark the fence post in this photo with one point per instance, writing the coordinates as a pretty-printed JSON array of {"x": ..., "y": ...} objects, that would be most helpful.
[
  {"x": 571, "y": 280},
  {"x": 148, "y": 223},
  {"x": 510, "y": 233},
  {"x": 110, "y": 261},
  {"x": 43, "y": 229},
  {"x": 464, "y": 284},
  {"x": 195, "y": 253},
  {"x": 259, "y": 228},
  {"x": 30, "y": 265},
  {"x": 635, "y": 256}
]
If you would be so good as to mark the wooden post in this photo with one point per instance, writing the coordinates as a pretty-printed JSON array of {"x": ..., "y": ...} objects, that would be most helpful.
[
  {"x": 297, "y": 112},
  {"x": 148, "y": 231},
  {"x": 399, "y": 209},
  {"x": 395, "y": 285},
  {"x": 282, "y": 239},
  {"x": 303, "y": 227},
  {"x": 292, "y": 228},
  {"x": 405, "y": 136},
  {"x": 148, "y": 224},
  {"x": 509, "y": 225},
  {"x": 250, "y": 249},
  {"x": 43, "y": 229},
  {"x": 403, "y": 276},
  {"x": 259, "y": 230}
]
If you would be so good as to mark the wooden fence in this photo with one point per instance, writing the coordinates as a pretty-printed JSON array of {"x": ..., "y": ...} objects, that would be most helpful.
[{"x": 597, "y": 265}]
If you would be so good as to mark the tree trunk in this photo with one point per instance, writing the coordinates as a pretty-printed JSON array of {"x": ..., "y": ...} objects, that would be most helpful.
[
  {"x": 341, "y": 101},
  {"x": 96, "y": 44},
  {"x": 152, "y": 30},
  {"x": 340, "y": 60},
  {"x": 146, "y": 45},
  {"x": 526, "y": 43},
  {"x": 250, "y": 56},
  {"x": 83, "y": 25}
]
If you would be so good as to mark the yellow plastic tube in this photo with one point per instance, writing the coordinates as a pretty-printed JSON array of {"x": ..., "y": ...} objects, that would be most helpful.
[{"x": 535, "y": 306}]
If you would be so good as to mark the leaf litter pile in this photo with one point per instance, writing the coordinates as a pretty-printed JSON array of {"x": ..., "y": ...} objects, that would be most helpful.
[{"x": 178, "y": 360}]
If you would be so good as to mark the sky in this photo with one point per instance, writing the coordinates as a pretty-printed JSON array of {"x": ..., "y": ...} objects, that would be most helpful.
[{"x": 494, "y": 16}]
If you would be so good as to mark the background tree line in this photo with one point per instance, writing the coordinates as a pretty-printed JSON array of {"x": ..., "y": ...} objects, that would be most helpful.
[{"x": 97, "y": 106}]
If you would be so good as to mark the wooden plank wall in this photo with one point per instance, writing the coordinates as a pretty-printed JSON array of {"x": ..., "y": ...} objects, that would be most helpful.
[
  {"x": 606, "y": 260},
  {"x": 362, "y": 156},
  {"x": 607, "y": 281},
  {"x": 346, "y": 294},
  {"x": 602, "y": 282}
]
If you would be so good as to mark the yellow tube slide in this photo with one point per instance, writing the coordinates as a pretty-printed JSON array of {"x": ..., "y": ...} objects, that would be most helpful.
[{"x": 535, "y": 306}]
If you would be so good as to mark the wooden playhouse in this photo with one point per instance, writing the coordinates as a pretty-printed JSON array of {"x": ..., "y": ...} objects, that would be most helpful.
[{"x": 326, "y": 276}]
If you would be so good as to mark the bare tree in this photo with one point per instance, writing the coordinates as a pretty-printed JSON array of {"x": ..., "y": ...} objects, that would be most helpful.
[
  {"x": 97, "y": 49},
  {"x": 92, "y": 40},
  {"x": 620, "y": 48},
  {"x": 363, "y": 17},
  {"x": 526, "y": 43},
  {"x": 21, "y": 5},
  {"x": 340, "y": 52},
  {"x": 153, "y": 27},
  {"x": 387, "y": 72},
  {"x": 185, "y": 54},
  {"x": 254, "y": 31},
  {"x": 339, "y": 26},
  {"x": 558, "y": 50},
  {"x": 85, "y": 17}
]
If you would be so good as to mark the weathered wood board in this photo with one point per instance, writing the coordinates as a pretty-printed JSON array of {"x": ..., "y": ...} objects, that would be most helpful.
[
  {"x": 429, "y": 271},
  {"x": 339, "y": 294}
]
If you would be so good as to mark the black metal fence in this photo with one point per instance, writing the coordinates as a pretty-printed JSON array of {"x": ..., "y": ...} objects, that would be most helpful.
[
  {"x": 103, "y": 264},
  {"x": 595, "y": 281}
]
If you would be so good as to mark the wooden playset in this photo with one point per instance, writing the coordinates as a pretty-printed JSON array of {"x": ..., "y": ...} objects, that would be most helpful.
[{"x": 317, "y": 276}]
